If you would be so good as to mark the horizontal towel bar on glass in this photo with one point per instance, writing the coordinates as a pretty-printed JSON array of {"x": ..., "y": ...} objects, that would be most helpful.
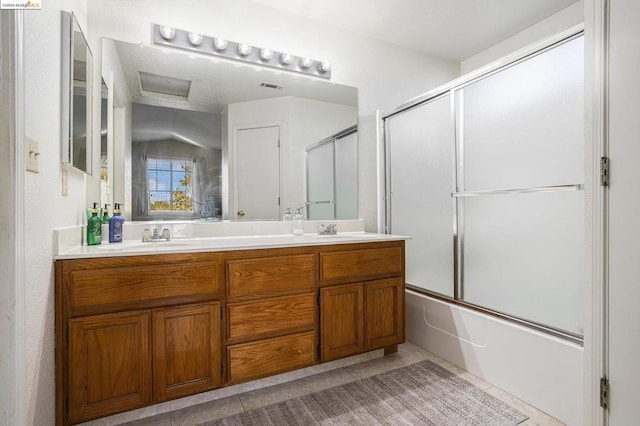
[
  {"x": 319, "y": 202},
  {"x": 554, "y": 188}
]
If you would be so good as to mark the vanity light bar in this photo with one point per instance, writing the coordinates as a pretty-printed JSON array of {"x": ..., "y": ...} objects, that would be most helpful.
[{"x": 215, "y": 46}]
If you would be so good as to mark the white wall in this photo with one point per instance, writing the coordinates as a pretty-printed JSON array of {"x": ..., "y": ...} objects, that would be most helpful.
[
  {"x": 385, "y": 74},
  {"x": 46, "y": 207},
  {"x": 566, "y": 18}
]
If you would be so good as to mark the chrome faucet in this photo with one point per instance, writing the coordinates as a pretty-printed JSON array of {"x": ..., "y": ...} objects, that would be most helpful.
[
  {"x": 330, "y": 229},
  {"x": 148, "y": 237}
]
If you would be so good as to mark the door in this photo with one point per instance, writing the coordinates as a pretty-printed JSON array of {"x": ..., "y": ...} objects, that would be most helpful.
[
  {"x": 186, "y": 350},
  {"x": 110, "y": 364},
  {"x": 384, "y": 301},
  {"x": 624, "y": 211},
  {"x": 258, "y": 173},
  {"x": 341, "y": 321}
]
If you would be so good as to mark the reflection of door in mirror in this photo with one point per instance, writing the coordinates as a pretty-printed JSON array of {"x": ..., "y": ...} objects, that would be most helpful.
[
  {"x": 332, "y": 177},
  {"x": 258, "y": 169}
]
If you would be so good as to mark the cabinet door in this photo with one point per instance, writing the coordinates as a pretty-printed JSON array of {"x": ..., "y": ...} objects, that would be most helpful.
[
  {"x": 384, "y": 313},
  {"x": 342, "y": 321},
  {"x": 186, "y": 344},
  {"x": 109, "y": 364}
]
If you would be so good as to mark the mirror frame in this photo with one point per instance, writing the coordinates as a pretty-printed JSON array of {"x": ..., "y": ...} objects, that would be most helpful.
[{"x": 70, "y": 27}]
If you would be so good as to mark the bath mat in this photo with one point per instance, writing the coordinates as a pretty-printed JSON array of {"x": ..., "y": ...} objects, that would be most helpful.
[{"x": 418, "y": 394}]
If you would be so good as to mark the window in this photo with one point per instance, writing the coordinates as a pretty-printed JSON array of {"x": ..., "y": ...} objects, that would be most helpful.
[{"x": 170, "y": 185}]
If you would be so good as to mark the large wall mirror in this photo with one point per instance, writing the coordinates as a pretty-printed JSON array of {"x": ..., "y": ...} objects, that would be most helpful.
[
  {"x": 77, "y": 63},
  {"x": 201, "y": 137}
]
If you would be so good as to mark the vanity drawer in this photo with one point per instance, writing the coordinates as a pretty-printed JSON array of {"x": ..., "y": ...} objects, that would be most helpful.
[
  {"x": 277, "y": 315},
  {"x": 360, "y": 263},
  {"x": 130, "y": 284},
  {"x": 269, "y": 275},
  {"x": 249, "y": 361}
]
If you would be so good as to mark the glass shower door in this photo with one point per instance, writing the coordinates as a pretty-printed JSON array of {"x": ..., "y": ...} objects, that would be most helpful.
[
  {"x": 521, "y": 143},
  {"x": 420, "y": 144}
]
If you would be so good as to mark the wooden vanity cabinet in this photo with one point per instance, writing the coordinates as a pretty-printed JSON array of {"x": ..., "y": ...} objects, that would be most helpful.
[
  {"x": 186, "y": 350},
  {"x": 362, "y": 316},
  {"x": 271, "y": 312},
  {"x": 132, "y": 331},
  {"x": 110, "y": 364}
]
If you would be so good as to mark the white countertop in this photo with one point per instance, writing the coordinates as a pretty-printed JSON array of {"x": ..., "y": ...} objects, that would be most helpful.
[{"x": 192, "y": 245}]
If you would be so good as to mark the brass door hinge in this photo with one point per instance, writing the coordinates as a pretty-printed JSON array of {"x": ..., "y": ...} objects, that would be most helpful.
[
  {"x": 604, "y": 171},
  {"x": 604, "y": 392}
]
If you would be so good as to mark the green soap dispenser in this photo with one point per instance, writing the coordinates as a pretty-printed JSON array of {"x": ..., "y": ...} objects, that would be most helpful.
[
  {"x": 105, "y": 214},
  {"x": 94, "y": 227}
]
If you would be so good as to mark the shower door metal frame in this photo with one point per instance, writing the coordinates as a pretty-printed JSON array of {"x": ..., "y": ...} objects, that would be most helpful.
[{"x": 452, "y": 89}]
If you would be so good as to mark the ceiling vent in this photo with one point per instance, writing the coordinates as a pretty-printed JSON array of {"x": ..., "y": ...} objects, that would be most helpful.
[
  {"x": 271, "y": 86},
  {"x": 164, "y": 84}
]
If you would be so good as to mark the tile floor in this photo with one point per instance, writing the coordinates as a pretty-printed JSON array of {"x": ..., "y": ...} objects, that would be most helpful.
[{"x": 408, "y": 353}]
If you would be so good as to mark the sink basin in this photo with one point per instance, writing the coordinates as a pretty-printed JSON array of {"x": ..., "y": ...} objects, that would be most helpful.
[
  {"x": 141, "y": 245},
  {"x": 343, "y": 236}
]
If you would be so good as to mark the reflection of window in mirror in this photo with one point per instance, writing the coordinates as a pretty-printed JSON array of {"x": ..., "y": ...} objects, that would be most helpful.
[
  {"x": 170, "y": 185},
  {"x": 167, "y": 146}
]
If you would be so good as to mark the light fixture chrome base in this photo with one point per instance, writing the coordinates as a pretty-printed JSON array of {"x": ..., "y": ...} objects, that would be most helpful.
[{"x": 172, "y": 37}]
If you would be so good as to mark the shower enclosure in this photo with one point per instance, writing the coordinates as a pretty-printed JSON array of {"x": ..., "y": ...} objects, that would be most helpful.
[{"x": 486, "y": 175}]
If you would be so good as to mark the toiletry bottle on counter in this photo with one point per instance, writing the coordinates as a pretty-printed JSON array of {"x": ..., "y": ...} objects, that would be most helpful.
[
  {"x": 298, "y": 222},
  {"x": 105, "y": 214},
  {"x": 94, "y": 227},
  {"x": 115, "y": 225},
  {"x": 287, "y": 217}
]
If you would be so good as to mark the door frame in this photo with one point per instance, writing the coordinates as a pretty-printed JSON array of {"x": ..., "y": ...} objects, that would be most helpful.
[
  {"x": 596, "y": 236},
  {"x": 12, "y": 214}
]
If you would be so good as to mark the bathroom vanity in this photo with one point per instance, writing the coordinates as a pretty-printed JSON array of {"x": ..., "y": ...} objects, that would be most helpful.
[{"x": 139, "y": 326}]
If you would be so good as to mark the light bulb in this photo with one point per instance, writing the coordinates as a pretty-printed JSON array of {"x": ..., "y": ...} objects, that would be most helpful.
[
  {"x": 244, "y": 49},
  {"x": 195, "y": 39},
  {"x": 167, "y": 33},
  {"x": 286, "y": 59},
  {"x": 306, "y": 62},
  {"x": 266, "y": 54},
  {"x": 324, "y": 67},
  {"x": 220, "y": 43}
]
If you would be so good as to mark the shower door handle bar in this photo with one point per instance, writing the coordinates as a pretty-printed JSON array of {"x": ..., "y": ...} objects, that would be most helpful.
[
  {"x": 553, "y": 188},
  {"x": 319, "y": 202}
]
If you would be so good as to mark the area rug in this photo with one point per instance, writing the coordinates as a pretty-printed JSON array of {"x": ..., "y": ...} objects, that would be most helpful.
[{"x": 418, "y": 394}]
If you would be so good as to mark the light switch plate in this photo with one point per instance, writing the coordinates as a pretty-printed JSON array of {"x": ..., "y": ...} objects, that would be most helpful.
[
  {"x": 65, "y": 183},
  {"x": 32, "y": 155}
]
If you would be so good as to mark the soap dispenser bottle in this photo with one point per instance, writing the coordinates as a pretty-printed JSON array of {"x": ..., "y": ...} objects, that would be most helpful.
[
  {"x": 94, "y": 227},
  {"x": 105, "y": 214},
  {"x": 287, "y": 217},
  {"x": 298, "y": 222},
  {"x": 115, "y": 225}
]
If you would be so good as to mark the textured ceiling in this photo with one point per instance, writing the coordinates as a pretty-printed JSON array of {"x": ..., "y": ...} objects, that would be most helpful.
[
  {"x": 216, "y": 83},
  {"x": 450, "y": 29}
]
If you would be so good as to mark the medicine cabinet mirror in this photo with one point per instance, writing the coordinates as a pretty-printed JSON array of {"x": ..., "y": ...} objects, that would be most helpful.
[
  {"x": 76, "y": 95},
  {"x": 211, "y": 138}
]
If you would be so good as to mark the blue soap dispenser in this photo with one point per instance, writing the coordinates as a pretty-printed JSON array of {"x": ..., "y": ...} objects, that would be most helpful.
[{"x": 115, "y": 225}]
